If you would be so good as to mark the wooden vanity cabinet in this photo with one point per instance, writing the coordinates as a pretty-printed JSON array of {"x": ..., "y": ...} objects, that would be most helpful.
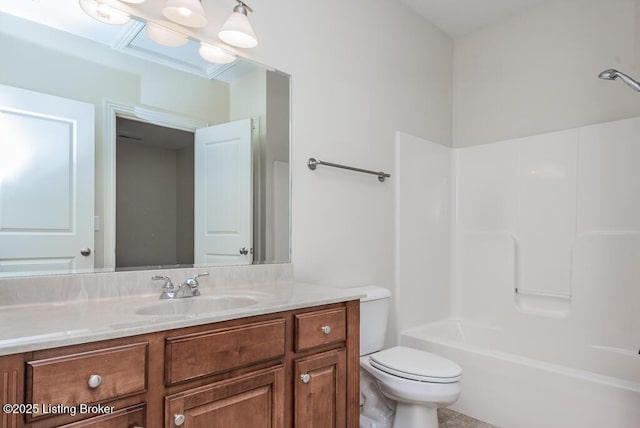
[{"x": 289, "y": 369}]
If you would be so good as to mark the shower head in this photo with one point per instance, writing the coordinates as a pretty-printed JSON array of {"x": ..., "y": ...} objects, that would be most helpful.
[
  {"x": 612, "y": 74},
  {"x": 609, "y": 74}
]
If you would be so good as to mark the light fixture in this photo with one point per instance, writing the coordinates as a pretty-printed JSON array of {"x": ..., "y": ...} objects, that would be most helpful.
[
  {"x": 164, "y": 36},
  {"x": 103, "y": 13},
  {"x": 215, "y": 54},
  {"x": 237, "y": 31},
  {"x": 185, "y": 12},
  {"x": 133, "y": 1}
]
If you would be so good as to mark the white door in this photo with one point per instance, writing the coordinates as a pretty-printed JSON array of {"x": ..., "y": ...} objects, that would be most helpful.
[
  {"x": 223, "y": 194},
  {"x": 46, "y": 183}
]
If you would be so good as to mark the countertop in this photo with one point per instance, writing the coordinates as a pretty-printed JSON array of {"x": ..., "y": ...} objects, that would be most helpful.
[{"x": 30, "y": 327}]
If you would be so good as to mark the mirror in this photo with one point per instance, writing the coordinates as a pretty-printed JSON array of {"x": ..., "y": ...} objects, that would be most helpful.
[{"x": 92, "y": 109}]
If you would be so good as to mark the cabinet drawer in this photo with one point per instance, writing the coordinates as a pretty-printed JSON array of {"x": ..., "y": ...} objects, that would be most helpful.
[
  {"x": 217, "y": 351},
  {"x": 132, "y": 417},
  {"x": 65, "y": 379},
  {"x": 320, "y": 328}
]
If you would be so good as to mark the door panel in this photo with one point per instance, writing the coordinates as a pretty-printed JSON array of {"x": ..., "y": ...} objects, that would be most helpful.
[
  {"x": 46, "y": 182},
  {"x": 253, "y": 400},
  {"x": 320, "y": 391},
  {"x": 223, "y": 194}
]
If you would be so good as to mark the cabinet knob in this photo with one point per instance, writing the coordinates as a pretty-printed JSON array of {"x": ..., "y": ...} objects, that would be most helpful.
[
  {"x": 305, "y": 378},
  {"x": 178, "y": 420},
  {"x": 325, "y": 329},
  {"x": 94, "y": 381}
]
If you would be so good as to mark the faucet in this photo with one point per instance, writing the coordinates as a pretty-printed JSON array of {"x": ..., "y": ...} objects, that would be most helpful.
[
  {"x": 189, "y": 288},
  {"x": 168, "y": 290}
]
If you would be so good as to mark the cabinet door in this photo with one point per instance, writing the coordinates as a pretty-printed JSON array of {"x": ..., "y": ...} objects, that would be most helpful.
[
  {"x": 321, "y": 390},
  {"x": 253, "y": 400}
]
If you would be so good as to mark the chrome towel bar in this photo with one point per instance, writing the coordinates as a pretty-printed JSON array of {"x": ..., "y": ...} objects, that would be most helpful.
[{"x": 312, "y": 163}]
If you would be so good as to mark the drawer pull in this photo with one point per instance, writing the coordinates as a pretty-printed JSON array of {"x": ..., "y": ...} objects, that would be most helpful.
[
  {"x": 325, "y": 329},
  {"x": 178, "y": 420},
  {"x": 94, "y": 381},
  {"x": 305, "y": 378}
]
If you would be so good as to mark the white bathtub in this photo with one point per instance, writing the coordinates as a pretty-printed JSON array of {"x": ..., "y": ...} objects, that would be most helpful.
[{"x": 537, "y": 380}]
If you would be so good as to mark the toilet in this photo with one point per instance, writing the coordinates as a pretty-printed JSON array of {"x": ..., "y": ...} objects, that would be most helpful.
[{"x": 414, "y": 383}]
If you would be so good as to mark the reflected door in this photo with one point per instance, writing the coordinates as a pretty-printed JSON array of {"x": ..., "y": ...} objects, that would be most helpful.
[
  {"x": 223, "y": 194},
  {"x": 46, "y": 182}
]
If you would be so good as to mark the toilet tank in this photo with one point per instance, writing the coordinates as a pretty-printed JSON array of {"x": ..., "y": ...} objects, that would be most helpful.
[{"x": 374, "y": 313}]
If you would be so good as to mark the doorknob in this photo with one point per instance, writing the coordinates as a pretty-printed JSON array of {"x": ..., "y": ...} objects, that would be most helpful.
[
  {"x": 85, "y": 252},
  {"x": 244, "y": 251}
]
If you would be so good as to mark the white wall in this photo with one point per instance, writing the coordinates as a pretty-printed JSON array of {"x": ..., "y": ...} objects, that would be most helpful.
[
  {"x": 423, "y": 231},
  {"x": 538, "y": 71},
  {"x": 361, "y": 70}
]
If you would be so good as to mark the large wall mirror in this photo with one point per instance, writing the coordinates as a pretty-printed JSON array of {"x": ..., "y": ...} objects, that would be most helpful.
[{"x": 119, "y": 154}]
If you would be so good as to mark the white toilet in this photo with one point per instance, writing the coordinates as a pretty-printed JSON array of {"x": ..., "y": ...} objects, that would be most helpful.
[{"x": 415, "y": 382}]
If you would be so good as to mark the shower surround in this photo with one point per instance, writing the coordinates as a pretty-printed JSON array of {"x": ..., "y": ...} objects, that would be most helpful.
[{"x": 543, "y": 270}]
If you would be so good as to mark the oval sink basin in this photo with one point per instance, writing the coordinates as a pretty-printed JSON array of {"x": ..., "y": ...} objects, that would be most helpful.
[{"x": 197, "y": 305}]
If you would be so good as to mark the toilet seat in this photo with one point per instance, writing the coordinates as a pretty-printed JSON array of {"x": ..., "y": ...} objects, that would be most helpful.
[{"x": 416, "y": 365}]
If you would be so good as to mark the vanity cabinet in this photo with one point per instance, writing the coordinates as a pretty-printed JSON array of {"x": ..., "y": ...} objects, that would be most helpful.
[{"x": 297, "y": 368}]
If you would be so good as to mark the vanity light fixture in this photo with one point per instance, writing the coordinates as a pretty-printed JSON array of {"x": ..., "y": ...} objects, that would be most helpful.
[
  {"x": 215, "y": 55},
  {"x": 164, "y": 36},
  {"x": 237, "y": 31},
  {"x": 133, "y": 1},
  {"x": 104, "y": 13},
  {"x": 185, "y": 12}
]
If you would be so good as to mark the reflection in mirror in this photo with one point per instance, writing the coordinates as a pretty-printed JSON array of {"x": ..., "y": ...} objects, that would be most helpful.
[{"x": 94, "y": 175}]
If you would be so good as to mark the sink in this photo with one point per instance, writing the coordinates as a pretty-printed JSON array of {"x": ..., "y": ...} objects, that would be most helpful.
[{"x": 197, "y": 305}]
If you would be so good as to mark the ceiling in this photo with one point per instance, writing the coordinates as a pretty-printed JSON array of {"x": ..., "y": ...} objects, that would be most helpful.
[
  {"x": 459, "y": 17},
  {"x": 135, "y": 131}
]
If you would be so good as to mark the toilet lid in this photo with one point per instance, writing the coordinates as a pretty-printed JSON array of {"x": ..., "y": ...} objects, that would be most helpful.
[{"x": 416, "y": 365}]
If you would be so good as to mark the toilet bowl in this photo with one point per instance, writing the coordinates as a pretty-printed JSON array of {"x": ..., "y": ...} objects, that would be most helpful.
[
  {"x": 418, "y": 382},
  {"x": 418, "y": 390}
]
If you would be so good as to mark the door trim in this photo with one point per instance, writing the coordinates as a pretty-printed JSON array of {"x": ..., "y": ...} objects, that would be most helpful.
[{"x": 114, "y": 110}]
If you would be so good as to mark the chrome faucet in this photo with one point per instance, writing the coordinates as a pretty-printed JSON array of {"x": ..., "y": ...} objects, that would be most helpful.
[
  {"x": 168, "y": 289},
  {"x": 189, "y": 288}
]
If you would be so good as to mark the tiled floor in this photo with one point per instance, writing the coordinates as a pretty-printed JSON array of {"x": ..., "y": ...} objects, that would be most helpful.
[{"x": 449, "y": 419}]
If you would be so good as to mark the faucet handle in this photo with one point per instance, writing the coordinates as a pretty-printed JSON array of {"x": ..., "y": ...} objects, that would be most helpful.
[
  {"x": 168, "y": 290},
  {"x": 193, "y": 282}
]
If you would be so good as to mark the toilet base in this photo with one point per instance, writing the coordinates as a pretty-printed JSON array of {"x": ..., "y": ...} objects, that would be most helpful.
[{"x": 415, "y": 416}]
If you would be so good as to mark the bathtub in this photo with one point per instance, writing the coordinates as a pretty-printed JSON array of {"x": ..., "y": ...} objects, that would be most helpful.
[{"x": 543, "y": 379}]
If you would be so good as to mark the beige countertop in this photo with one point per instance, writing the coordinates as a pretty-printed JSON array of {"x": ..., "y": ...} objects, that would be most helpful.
[{"x": 30, "y": 327}]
